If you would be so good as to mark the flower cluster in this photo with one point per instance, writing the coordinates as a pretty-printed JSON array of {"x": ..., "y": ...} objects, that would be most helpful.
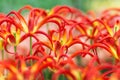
[{"x": 59, "y": 44}]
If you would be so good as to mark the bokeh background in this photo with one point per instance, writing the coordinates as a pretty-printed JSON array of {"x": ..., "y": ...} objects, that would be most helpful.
[{"x": 96, "y": 5}]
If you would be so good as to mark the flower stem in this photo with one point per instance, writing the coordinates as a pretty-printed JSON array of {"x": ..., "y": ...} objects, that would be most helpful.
[
  {"x": 30, "y": 45},
  {"x": 31, "y": 50},
  {"x": 91, "y": 41},
  {"x": 2, "y": 54},
  {"x": 15, "y": 47}
]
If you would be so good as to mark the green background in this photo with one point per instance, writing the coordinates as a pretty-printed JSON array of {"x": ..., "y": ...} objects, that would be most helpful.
[{"x": 7, "y": 5}]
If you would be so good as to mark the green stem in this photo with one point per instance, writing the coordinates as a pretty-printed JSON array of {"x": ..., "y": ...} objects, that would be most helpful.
[
  {"x": 2, "y": 54},
  {"x": 15, "y": 47},
  {"x": 91, "y": 41},
  {"x": 47, "y": 25},
  {"x": 115, "y": 29},
  {"x": 31, "y": 50},
  {"x": 30, "y": 45}
]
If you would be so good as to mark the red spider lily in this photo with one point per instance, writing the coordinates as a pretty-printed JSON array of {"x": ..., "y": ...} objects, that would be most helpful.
[
  {"x": 57, "y": 39},
  {"x": 58, "y": 44},
  {"x": 35, "y": 15},
  {"x": 22, "y": 71},
  {"x": 18, "y": 23},
  {"x": 70, "y": 14}
]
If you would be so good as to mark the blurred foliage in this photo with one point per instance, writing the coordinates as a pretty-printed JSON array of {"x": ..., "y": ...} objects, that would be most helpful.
[
  {"x": 85, "y": 5},
  {"x": 8, "y": 5}
]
